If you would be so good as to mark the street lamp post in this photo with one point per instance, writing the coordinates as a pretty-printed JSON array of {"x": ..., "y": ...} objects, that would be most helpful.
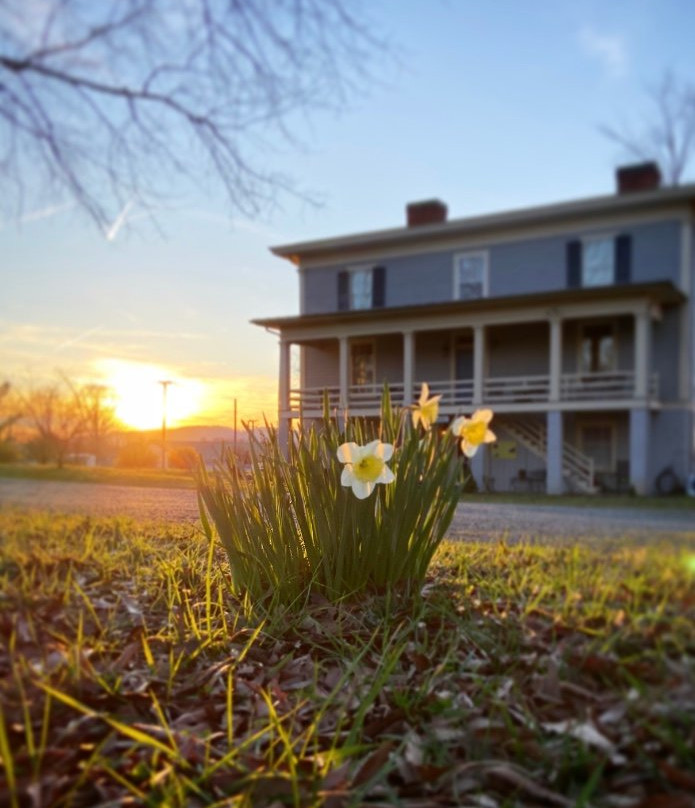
[{"x": 165, "y": 384}]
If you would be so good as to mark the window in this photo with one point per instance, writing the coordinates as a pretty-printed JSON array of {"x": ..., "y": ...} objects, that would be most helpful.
[
  {"x": 361, "y": 287},
  {"x": 597, "y": 350},
  {"x": 597, "y": 440},
  {"x": 599, "y": 261},
  {"x": 470, "y": 276},
  {"x": 362, "y": 371}
]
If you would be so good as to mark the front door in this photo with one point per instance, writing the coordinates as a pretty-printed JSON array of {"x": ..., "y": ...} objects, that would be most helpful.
[
  {"x": 463, "y": 359},
  {"x": 362, "y": 366}
]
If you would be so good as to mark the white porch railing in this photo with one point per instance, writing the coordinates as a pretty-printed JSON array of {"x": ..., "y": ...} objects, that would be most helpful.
[
  {"x": 605, "y": 385},
  {"x": 497, "y": 390}
]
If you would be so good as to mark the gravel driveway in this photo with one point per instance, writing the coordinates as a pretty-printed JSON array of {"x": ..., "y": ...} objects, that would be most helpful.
[{"x": 473, "y": 520}]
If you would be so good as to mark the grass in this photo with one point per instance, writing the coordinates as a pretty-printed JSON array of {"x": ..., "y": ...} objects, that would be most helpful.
[
  {"x": 149, "y": 478},
  {"x": 523, "y": 676}
]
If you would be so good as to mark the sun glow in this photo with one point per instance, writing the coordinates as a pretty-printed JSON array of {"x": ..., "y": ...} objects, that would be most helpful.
[{"x": 138, "y": 395}]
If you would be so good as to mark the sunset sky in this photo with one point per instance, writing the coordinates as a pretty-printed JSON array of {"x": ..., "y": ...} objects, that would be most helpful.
[{"x": 488, "y": 106}]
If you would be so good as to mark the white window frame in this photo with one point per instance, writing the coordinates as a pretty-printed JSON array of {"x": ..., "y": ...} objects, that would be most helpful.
[
  {"x": 485, "y": 255},
  {"x": 585, "y": 423},
  {"x": 354, "y": 270},
  {"x": 582, "y": 329},
  {"x": 588, "y": 240},
  {"x": 353, "y": 344}
]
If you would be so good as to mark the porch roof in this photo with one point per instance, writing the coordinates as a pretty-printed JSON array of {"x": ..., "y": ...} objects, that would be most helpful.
[{"x": 663, "y": 292}]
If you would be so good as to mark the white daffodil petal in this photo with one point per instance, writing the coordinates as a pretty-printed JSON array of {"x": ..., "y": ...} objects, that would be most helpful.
[
  {"x": 347, "y": 477},
  {"x": 458, "y": 424},
  {"x": 386, "y": 476},
  {"x": 482, "y": 415},
  {"x": 490, "y": 437},
  {"x": 469, "y": 449},
  {"x": 349, "y": 453},
  {"x": 361, "y": 489},
  {"x": 385, "y": 452}
]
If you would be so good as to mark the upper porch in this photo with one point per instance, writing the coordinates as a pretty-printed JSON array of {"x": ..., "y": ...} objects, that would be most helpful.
[{"x": 574, "y": 349}]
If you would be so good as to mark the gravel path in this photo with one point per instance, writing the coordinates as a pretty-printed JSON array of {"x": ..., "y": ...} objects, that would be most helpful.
[{"x": 478, "y": 521}]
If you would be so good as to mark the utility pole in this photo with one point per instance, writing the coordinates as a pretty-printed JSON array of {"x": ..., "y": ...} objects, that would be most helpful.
[
  {"x": 165, "y": 383},
  {"x": 235, "y": 429}
]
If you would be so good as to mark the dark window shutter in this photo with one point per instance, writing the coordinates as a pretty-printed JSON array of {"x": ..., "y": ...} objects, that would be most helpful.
[
  {"x": 574, "y": 264},
  {"x": 343, "y": 290},
  {"x": 378, "y": 287},
  {"x": 623, "y": 259}
]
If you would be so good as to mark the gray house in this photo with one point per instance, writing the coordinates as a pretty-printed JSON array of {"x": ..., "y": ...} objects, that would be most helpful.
[{"x": 574, "y": 322}]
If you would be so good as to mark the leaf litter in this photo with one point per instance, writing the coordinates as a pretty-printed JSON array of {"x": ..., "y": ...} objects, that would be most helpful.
[{"x": 522, "y": 676}]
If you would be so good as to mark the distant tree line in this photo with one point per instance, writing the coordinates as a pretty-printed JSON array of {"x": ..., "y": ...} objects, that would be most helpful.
[
  {"x": 61, "y": 422},
  {"x": 49, "y": 422}
]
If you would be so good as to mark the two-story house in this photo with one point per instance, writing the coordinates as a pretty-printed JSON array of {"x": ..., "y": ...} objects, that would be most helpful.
[{"x": 574, "y": 322}]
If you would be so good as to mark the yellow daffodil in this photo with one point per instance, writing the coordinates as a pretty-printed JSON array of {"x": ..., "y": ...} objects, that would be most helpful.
[
  {"x": 473, "y": 431},
  {"x": 365, "y": 466},
  {"x": 427, "y": 409}
]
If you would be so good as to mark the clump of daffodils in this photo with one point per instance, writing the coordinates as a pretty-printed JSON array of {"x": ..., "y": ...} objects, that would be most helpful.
[{"x": 340, "y": 512}]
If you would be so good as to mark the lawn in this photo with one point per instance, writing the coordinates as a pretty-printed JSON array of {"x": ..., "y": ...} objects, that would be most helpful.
[
  {"x": 155, "y": 478},
  {"x": 522, "y": 676}
]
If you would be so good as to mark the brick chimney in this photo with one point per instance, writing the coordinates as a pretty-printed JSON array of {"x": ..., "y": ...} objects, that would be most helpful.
[
  {"x": 430, "y": 211},
  {"x": 640, "y": 177}
]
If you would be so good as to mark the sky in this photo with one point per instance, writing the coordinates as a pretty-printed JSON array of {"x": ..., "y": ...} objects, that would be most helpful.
[{"x": 487, "y": 106}]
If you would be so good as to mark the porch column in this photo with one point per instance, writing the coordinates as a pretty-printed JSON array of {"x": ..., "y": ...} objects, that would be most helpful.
[
  {"x": 477, "y": 467},
  {"x": 284, "y": 393},
  {"x": 343, "y": 372},
  {"x": 478, "y": 363},
  {"x": 639, "y": 450},
  {"x": 642, "y": 344},
  {"x": 555, "y": 357},
  {"x": 554, "y": 481},
  {"x": 408, "y": 366}
]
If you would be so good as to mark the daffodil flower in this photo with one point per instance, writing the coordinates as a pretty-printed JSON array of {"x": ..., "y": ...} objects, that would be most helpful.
[
  {"x": 365, "y": 466},
  {"x": 427, "y": 409},
  {"x": 473, "y": 431}
]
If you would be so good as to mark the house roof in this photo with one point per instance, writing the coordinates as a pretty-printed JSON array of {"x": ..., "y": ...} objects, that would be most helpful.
[
  {"x": 659, "y": 292},
  {"x": 594, "y": 207}
]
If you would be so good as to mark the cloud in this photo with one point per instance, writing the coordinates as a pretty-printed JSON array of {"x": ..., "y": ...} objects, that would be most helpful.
[{"x": 608, "y": 49}]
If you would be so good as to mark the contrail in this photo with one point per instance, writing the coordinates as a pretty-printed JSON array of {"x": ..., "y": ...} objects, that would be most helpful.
[
  {"x": 77, "y": 339},
  {"x": 119, "y": 221}
]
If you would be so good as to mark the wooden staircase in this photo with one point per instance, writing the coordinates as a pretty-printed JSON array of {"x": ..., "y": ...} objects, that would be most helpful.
[{"x": 577, "y": 468}]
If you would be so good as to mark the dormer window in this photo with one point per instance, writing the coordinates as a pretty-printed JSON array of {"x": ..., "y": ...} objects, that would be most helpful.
[
  {"x": 361, "y": 287},
  {"x": 470, "y": 276}
]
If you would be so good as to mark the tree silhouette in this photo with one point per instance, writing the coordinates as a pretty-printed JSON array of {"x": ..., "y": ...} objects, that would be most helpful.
[
  {"x": 668, "y": 133},
  {"x": 114, "y": 103}
]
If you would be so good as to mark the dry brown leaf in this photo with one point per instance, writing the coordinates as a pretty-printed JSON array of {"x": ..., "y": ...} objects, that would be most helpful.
[
  {"x": 373, "y": 764},
  {"x": 512, "y": 776}
]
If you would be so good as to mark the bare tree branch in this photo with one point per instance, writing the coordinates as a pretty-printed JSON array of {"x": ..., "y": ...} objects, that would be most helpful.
[
  {"x": 128, "y": 99},
  {"x": 669, "y": 135}
]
